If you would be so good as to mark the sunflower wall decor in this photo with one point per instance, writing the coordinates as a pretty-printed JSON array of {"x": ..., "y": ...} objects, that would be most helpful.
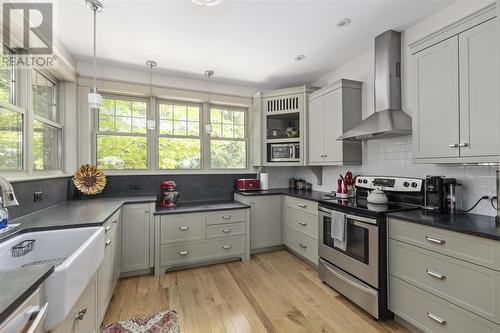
[{"x": 88, "y": 179}]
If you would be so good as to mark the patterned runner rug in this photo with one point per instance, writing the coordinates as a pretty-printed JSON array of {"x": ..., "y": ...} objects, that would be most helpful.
[{"x": 161, "y": 322}]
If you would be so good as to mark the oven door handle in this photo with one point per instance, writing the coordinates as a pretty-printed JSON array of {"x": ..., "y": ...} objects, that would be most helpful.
[
  {"x": 346, "y": 280},
  {"x": 361, "y": 219}
]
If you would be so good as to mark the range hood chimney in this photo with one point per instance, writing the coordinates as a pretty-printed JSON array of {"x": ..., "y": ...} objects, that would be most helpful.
[{"x": 388, "y": 120}]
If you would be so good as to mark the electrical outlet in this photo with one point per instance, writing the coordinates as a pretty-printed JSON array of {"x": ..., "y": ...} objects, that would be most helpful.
[{"x": 37, "y": 196}]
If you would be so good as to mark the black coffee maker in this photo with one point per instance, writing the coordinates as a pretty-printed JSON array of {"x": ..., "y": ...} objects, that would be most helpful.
[{"x": 435, "y": 198}]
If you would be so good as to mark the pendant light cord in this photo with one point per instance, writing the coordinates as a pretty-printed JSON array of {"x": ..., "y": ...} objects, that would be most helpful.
[{"x": 95, "y": 46}]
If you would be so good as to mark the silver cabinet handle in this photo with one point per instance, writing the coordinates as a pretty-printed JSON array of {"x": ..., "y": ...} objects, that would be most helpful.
[
  {"x": 436, "y": 275},
  {"x": 435, "y": 240},
  {"x": 302, "y": 223},
  {"x": 226, "y": 231},
  {"x": 226, "y": 217},
  {"x": 226, "y": 247},
  {"x": 453, "y": 145},
  {"x": 81, "y": 314},
  {"x": 115, "y": 221},
  {"x": 184, "y": 228},
  {"x": 302, "y": 205},
  {"x": 436, "y": 318},
  {"x": 183, "y": 253},
  {"x": 39, "y": 319},
  {"x": 302, "y": 245},
  {"x": 464, "y": 144},
  {"x": 108, "y": 242},
  {"x": 107, "y": 229}
]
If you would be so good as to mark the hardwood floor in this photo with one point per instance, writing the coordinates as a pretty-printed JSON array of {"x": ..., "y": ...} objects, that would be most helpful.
[{"x": 273, "y": 292}]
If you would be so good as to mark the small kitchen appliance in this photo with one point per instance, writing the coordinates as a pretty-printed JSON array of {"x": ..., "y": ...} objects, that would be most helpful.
[
  {"x": 248, "y": 184},
  {"x": 168, "y": 194},
  {"x": 442, "y": 195},
  {"x": 284, "y": 152},
  {"x": 353, "y": 239}
]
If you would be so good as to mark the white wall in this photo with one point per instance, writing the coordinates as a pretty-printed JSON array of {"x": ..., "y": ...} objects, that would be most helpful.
[{"x": 393, "y": 156}]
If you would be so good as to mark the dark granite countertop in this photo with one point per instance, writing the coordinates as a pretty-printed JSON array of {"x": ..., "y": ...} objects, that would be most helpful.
[
  {"x": 193, "y": 207},
  {"x": 471, "y": 224},
  {"x": 308, "y": 195},
  {"x": 18, "y": 284}
]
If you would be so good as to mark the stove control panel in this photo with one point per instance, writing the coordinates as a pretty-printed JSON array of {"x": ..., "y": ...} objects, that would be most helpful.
[{"x": 390, "y": 184}]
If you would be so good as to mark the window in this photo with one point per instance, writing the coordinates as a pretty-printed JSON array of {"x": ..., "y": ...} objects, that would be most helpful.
[
  {"x": 7, "y": 82},
  {"x": 121, "y": 139},
  {"x": 47, "y": 128},
  {"x": 179, "y": 139},
  {"x": 228, "y": 138}
]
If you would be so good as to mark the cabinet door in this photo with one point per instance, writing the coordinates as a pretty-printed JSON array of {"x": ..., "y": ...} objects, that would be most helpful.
[
  {"x": 135, "y": 237},
  {"x": 316, "y": 130},
  {"x": 105, "y": 279},
  {"x": 265, "y": 221},
  {"x": 436, "y": 101},
  {"x": 333, "y": 126},
  {"x": 479, "y": 91},
  {"x": 117, "y": 252}
]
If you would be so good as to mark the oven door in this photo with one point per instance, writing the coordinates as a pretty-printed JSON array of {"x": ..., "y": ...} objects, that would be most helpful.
[{"x": 360, "y": 257}]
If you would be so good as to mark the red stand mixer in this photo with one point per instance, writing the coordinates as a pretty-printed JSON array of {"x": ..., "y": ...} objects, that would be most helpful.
[{"x": 168, "y": 194}]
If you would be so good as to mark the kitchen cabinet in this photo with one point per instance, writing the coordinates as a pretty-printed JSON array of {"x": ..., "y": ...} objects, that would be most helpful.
[
  {"x": 430, "y": 274},
  {"x": 455, "y": 92},
  {"x": 13, "y": 322},
  {"x": 333, "y": 110},
  {"x": 266, "y": 222},
  {"x": 109, "y": 271},
  {"x": 136, "y": 238}
]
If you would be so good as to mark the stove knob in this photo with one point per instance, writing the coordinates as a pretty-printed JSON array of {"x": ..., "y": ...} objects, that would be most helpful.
[
  {"x": 413, "y": 184},
  {"x": 406, "y": 184},
  {"x": 365, "y": 181},
  {"x": 360, "y": 181}
]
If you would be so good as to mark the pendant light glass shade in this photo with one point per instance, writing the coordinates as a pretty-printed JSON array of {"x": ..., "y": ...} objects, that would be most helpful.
[
  {"x": 94, "y": 98},
  {"x": 208, "y": 75}
]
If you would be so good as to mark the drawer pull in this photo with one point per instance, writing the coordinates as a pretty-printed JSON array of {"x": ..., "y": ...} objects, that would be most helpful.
[
  {"x": 107, "y": 229},
  {"x": 81, "y": 314},
  {"x": 183, "y": 253},
  {"x": 302, "y": 205},
  {"x": 184, "y": 228},
  {"x": 226, "y": 217},
  {"x": 115, "y": 221},
  {"x": 302, "y": 245},
  {"x": 226, "y": 231},
  {"x": 108, "y": 243},
  {"x": 226, "y": 247},
  {"x": 302, "y": 223},
  {"x": 435, "y": 240},
  {"x": 436, "y": 275},
  {"x": 436, "y": 318}
]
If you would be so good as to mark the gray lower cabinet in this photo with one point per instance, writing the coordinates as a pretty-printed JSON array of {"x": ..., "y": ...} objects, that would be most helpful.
[
  {"x": 197, "y": 238},
  {"x": 137, "y": 227},
  {"x": 443, "y": 281},
  {"x": 266, "y": 220}
]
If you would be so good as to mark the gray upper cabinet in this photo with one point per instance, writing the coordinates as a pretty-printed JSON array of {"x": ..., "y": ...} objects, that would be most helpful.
[
  {"x": 136, "y": 238},
  {"x": 455, "y": 90},
  {"x": 333, "y": 110}
]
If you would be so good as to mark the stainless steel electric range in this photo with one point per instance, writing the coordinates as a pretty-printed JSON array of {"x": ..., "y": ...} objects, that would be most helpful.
[{"x": 353, "y": 240}]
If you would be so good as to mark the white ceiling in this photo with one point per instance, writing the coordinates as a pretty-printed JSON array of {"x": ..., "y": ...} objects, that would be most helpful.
[{"x": 252, "y": 41}]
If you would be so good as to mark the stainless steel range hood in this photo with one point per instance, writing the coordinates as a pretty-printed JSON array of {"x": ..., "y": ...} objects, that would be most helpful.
[{"x": 388, "y": 120}]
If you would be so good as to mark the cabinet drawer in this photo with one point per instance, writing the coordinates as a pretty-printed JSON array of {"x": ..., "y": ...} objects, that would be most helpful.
[
  {"x": 182, "y": 228},
  {"x": 476, "y": 250},
  {"x": 226, "y": 216},
  {"x": 472, "y": 287},
  {"x": 302, "y": 205},
  {"x": 205, "y": 250},
  {"x": 303, "y": 245},
  {"x": 303, "y": 222},
  {"x": 433, "y": 314},
  {"x": 225, "y": 230}
]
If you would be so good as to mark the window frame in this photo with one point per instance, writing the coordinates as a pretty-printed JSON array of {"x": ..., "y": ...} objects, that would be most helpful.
[
  {"x": 96, "y": 132},
  {"x": 245, "y": 138},
  {"x": 201, "y": 135}
]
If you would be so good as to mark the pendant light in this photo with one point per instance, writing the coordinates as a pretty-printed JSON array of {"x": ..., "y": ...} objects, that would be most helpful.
[
  {"x": 151, "y": 63},
  {"x": 208, "y": 75},
  {"x": 93, "y": 97}
]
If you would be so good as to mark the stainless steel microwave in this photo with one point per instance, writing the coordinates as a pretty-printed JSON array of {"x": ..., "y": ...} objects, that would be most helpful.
[{"x": 284, "y": 152}]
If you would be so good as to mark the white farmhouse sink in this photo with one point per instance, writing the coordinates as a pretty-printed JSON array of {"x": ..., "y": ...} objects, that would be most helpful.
[{"x": 78, "y": 253}]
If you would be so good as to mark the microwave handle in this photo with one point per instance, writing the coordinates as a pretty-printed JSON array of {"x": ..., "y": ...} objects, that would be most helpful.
[{"x": 292, "y": 152}]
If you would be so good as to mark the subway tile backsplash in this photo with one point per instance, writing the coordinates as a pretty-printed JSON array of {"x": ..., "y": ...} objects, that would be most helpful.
[{"x": 393, "y": 157}]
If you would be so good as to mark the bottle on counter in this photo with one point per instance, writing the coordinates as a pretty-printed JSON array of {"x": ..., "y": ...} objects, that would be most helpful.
[{"x": 4, "y": 215}]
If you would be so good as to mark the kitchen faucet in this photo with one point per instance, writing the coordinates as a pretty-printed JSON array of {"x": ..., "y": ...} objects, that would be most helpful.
[{"x": 8, "y": 196}]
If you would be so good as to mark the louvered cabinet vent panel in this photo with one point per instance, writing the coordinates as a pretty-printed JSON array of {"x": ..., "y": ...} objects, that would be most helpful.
[{"x": 282, "y": 104}]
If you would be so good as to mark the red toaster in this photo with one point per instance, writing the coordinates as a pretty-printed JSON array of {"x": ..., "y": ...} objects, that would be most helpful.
[{"x": 247, "y": 184}]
